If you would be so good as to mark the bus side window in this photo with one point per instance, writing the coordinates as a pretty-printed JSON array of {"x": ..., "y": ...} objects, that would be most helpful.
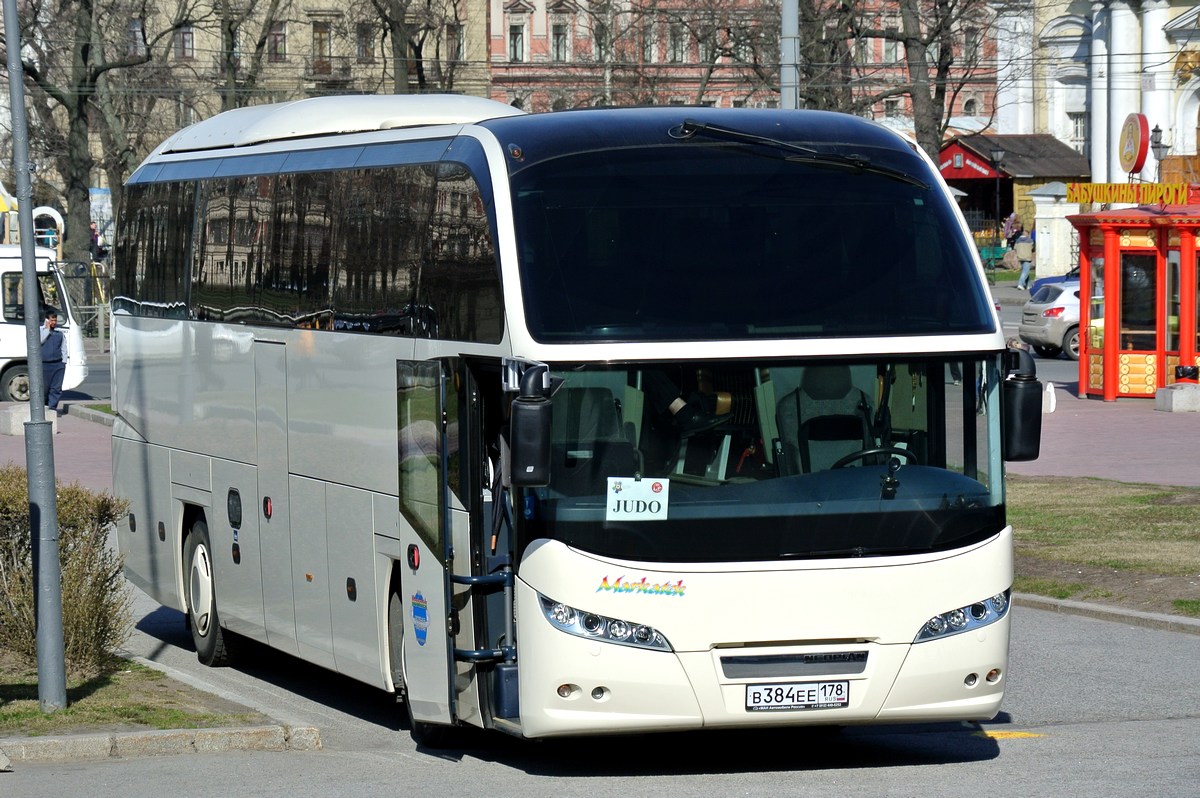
[{"x": 14, "y": 307}]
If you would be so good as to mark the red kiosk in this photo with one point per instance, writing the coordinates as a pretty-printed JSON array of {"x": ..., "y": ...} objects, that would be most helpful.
[{"x": 1138, "y": 278}]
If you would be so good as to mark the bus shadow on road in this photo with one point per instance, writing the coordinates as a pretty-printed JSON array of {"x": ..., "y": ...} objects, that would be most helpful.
[
  {"x": 283, "y": 671},
  {"x": 757, "y": 750}
]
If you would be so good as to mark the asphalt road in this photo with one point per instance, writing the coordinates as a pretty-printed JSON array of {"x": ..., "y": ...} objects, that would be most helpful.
[{"x": 1093, "y": 708}]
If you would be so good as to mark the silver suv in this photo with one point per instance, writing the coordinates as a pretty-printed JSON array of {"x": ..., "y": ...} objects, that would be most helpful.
[{"x": 1050, "y": 320}]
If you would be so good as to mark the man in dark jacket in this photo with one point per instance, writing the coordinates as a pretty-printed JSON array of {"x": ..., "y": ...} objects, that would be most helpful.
[{"x": 54, "y": 359}]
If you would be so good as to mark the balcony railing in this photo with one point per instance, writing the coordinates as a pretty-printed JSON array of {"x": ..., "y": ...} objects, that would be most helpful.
[{"x": 333, "y": 67}]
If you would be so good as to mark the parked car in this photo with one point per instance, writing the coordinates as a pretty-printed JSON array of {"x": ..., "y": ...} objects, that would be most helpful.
[
  {"x": 1050, "y": 320},
  {"x": 1058, "y": 278}
]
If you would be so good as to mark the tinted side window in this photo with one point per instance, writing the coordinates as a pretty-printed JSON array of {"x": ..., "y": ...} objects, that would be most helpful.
[
  {"x": 461, "y": 286},
  {"x": 152, "y": 255},
  {"x": 394, "y": 250}
]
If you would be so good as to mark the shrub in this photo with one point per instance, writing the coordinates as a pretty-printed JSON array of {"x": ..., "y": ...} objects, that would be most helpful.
[{"x": 96, "y": 602}]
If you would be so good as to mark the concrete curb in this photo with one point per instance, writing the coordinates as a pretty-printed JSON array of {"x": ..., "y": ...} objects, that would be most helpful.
[
  {"x": 88, "y": 414},
  {"x": 1101, "y": 612},
  {"x": 124, "y": 745}
]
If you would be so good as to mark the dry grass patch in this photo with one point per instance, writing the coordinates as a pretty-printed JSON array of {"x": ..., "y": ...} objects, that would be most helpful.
[
  {"x": 125, "y": 696},
  {"x": 1106, "y": 524}
]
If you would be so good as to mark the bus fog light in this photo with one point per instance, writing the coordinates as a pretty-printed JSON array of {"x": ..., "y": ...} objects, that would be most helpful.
[
  {"x": 599, "y": 693},
  {"x": 564, "y": 691},
  {"x": 993, "y": 675},
  {"x": 971, "y": 680}
]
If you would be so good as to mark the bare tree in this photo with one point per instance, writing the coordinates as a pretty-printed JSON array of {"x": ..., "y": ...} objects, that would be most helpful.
[
  {"x": 69, "y": 47},
  {"x": 424, "y": 38},
  {"x": 943, "y": 51},
  {"x": 239, "y": 72}
]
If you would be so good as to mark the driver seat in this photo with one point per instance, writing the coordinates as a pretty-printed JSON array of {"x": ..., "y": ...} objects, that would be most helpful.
[{"x": 823, "y": 420}]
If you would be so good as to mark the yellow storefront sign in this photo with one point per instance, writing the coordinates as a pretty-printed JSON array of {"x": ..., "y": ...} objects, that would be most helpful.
[{"x": 1129, "y": 193}]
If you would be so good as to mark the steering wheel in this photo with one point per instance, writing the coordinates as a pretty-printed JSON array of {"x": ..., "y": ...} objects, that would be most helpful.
[{"x": 908, "y": 454}]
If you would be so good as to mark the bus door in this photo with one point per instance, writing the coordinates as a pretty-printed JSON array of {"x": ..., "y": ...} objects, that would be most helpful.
[
  {"x": 274, "y": 506},
  {"x": 425, "y": 541}
]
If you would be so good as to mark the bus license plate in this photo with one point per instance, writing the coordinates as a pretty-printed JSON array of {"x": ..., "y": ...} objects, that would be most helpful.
[{"x": 797, "y": 696}]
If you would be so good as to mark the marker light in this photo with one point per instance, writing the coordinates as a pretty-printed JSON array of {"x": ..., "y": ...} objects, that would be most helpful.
[
  {"x": 964, "y": 619},
  {"x": 602, "y": 628}
]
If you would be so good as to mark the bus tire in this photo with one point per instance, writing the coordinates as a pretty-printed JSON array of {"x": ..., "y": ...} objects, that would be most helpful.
[
  {"x": 212, "y": 642},
  {"x": 14, "y": 386},
  {"x": 425, "y": 735}
]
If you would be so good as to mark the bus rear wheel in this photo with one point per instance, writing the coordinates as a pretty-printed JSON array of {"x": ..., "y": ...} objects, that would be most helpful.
[
  {"x": 425, "y": 735},
  {"x": 14, "y": 387},
  {"x": 212, "y": 642}
]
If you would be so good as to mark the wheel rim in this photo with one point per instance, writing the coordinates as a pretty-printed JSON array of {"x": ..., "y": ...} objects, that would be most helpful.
[
  {"x": 200, "y": 589},
  {"x": 19, "y": 388}
]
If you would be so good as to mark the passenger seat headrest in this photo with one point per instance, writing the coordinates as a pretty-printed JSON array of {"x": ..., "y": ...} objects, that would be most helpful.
[{"x": 826, "y": 382}]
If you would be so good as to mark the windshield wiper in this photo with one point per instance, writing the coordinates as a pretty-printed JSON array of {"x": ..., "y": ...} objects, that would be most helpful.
[{"x": 689, "y": 128}]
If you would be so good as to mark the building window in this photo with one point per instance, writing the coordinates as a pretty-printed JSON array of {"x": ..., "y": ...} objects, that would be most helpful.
[
  {"x": 972, "y": 45},
  {"x": 185, "y": 112},
  {"x": 364, "y": 43},
  {"x": 891, "y": 47},
  {"x": 862, "y": 51},
  {"x": 516, "y": 42},
  {"x": 558, "y": 42},
  {"x": 971, "y": 107},
  {"x": 277, "y": 42},
  {"x": 1079, "y": 130},
  {"x": 891, "y": 108},
  {"x": 322, "y": 48},
  {"x": 454, "y": 42},
  {"x": 185, "y": 43},
  {"x": 137, "y": 37},
  {"x": 648, "y": 42},
  {"x": 676, "y": 44},
  {"x": 600, "y": 40}
]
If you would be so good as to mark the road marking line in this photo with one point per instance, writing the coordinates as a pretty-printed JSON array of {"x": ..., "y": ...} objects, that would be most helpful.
[{"x": 1009, "y": 735}]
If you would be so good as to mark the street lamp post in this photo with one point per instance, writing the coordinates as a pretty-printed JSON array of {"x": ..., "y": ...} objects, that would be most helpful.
[
  {"x": 997, "y": 158},
  {"x": 1160, "y": 151}
]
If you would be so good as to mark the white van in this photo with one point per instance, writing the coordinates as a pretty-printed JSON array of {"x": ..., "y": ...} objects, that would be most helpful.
[{"x": 52, "y": 293}]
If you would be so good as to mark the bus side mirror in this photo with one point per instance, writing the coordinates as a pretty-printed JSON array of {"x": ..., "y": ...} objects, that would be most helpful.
[
  {"x": 1021, "y": 404},
  {"x": 530, "y": 431}
]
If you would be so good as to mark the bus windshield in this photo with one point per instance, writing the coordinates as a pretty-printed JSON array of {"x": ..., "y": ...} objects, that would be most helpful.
[
  {"x": 709, "y": 462},
  {"x": 697, "y": 240}
]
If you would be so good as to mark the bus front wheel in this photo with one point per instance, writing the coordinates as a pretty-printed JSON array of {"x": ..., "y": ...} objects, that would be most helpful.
[
  {"x": 426, "y": 735},
  {"x": 212, "y": 643},
  {"x": 14, "y": 387}
]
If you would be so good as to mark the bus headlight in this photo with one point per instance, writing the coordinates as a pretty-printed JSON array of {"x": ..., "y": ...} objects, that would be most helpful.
[
  {"x": 600, "y": 627},
  {"x": 964, "y": 619}
]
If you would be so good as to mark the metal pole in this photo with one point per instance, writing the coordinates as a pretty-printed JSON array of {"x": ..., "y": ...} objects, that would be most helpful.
[
  {"x": 789, "y": 55},
  {"x": 999, "y": 235},
  {"x": 39, "y": 433}
]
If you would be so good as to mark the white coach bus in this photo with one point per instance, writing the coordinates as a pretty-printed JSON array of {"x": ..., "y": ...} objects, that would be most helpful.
[{"x": 600, "y": 421}]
